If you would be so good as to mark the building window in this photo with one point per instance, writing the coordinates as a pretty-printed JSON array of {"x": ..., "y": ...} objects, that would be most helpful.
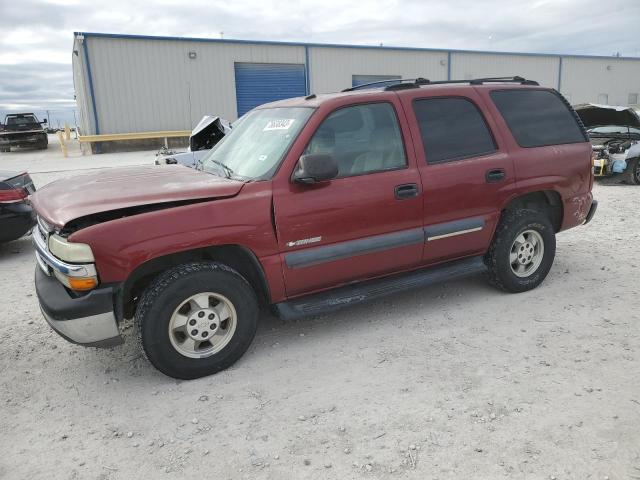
[
  {"x": 357, "y": 80},
  {"x": 452, "y": 129},
  {"x": 362, "y": 139},
  {"x": 537, "y": 117},
  {"x": 603, "y": 98},
  {"x": 633, "y": 99}
]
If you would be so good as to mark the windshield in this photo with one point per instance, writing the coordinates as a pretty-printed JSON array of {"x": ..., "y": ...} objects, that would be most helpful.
[{"x": 258, "y": 141}]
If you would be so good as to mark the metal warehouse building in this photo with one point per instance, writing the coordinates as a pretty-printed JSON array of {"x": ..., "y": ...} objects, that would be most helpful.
[{"x": 131, "y": 83}]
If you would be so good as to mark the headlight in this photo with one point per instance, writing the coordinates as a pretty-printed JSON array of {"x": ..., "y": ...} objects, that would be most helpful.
[{"x": 70, "y": 251}]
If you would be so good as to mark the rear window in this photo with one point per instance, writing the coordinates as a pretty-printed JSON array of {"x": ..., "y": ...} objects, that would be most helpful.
[
  {"x": 537, "y": 117},
  {"x": 22, "y": 120}
]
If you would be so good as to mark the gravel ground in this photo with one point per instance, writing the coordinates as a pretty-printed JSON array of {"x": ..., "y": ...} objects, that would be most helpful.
[{"x": 452, "y": 382}]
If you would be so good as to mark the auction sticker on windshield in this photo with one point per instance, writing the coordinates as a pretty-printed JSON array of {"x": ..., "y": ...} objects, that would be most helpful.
[{"x": 281, "y": 124}]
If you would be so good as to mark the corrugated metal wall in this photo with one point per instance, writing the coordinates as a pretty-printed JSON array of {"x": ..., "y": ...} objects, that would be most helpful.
[
  {"x": 83, "y": 96},
  {"x": 477, "y": 65},
  {"x": 151, "y": 85},
  {"x": 143, "y": 84},
  {"x": 583, "y": 79},
  {"x": 331, "y": 69}
]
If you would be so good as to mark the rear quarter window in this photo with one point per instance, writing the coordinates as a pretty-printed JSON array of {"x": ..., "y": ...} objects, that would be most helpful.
[{"x": 538, "y": 118}]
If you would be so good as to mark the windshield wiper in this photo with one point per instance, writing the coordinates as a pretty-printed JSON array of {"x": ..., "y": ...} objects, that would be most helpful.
[{"x": 228, "y": 172}]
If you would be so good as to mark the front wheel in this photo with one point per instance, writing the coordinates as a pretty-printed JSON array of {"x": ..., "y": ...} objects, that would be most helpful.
[
  {"x": 632, "y": 173},
  {"x": 196, "y": 319},
  {"x": 522, "y": 251}
]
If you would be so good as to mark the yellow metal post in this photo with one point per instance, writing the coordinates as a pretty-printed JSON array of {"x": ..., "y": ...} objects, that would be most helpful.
[
  {"x": 63, "y": 145},
  {"x": 67, "y": 131}
]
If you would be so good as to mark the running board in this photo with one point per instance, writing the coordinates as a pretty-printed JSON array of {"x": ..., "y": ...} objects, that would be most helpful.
[{"x": 332, "y": 300}]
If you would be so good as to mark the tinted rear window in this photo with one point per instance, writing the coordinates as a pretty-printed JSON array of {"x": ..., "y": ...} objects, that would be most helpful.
[
  {"x": 452, "y": 129},
  {"x": 537, "y": 117},
  {"x": 26, "y": 120}
]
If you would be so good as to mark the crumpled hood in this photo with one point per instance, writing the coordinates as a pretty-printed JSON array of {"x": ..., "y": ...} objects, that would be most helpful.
[
  {"x": 594, "y": 115},
  {"x": 70, "y": 198}
]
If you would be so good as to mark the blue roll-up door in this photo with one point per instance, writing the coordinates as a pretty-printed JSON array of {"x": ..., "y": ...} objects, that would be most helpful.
[
  {"x": 362, "y": 79},
  {"x": 258, "y": 83}
]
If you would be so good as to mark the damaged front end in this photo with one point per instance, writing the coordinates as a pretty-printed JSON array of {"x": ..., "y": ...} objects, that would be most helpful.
[{"x": 614, "y": 132}]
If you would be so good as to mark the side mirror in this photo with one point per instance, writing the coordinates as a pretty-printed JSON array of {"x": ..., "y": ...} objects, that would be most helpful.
[
  {"x": 315, "y": 168},
  {"x": 44, "y": 121}
]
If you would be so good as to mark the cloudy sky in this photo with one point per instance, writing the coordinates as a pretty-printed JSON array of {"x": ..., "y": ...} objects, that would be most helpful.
[{"x": 36, "y": 35}]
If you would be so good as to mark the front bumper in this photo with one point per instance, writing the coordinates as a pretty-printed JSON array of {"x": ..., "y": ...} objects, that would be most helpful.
[
  {"x": 21, "y": 141},
  {"x": 86, "y": 320}
]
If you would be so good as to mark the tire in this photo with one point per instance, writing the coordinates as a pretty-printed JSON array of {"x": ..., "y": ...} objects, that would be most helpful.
[
  {"x": 165, "y": 304},
  {"x": 521, "y": 228},
  {"x": 632, "y": 172}
]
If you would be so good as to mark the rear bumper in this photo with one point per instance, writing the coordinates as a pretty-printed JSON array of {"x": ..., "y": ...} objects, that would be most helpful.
[
  {"x": 592, "y": 211},
  {"x": 87, "y": 320}
]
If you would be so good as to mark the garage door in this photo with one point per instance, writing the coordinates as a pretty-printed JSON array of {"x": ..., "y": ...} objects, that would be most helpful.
[
  {"x": 362, "y": 79},
  {"x": 258, "y": 83}
]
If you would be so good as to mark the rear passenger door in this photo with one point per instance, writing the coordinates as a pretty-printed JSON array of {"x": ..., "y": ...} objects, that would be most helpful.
[{"x": 465, "y": 171}]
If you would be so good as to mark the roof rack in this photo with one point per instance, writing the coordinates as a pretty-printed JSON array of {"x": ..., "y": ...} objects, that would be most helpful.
[
  {"x": 405, "y": 83},
  {"x": 416, "y": 82},
  {"x": 473, "y": 81}
]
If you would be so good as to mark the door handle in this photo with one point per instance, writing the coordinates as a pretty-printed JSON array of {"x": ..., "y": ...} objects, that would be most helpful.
[
  {"x": 407, "y": 190},
  {"x": 495, "y": 175}
]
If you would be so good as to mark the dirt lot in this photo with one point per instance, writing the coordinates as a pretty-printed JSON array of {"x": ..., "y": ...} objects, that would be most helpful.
[{"x": 457, "y": 381}]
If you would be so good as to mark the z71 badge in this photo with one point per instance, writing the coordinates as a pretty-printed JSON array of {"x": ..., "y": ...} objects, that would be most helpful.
[{"x": 304, "y": 241}]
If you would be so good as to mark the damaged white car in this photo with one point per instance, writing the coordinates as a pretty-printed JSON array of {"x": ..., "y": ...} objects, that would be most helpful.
[
  {"x": 615, "y": 137},
  {"x": 206, "y": 134}
]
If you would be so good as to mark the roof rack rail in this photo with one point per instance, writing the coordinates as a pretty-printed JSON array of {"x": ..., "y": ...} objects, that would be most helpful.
[
  {"x": 400, "y": 81},
  {"x": 405, "y": 83}
]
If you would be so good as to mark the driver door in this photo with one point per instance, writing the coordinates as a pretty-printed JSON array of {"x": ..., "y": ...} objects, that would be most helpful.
[{"x": 366, "y": 222}]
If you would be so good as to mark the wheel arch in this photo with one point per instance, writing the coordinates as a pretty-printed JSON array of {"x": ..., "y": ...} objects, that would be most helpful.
[
  {"x": 546, "y": 201},
  {"x": 238, "y": 257}
]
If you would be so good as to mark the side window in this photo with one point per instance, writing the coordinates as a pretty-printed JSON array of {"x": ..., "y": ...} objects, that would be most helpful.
[
  {"x": 452, "y": 129},
  {"x": 537, "y": 117},
  {"x": 362, "y": 139}
]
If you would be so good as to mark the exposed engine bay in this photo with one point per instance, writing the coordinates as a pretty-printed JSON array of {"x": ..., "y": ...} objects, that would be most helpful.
[
  {"x": 611, "y": 155},
  {"x": 615, "y": 136}
]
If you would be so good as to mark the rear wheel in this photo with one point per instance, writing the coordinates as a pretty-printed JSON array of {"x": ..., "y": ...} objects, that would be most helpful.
[
  {"x": 522, "y": 250},
  {"x": 632, "y": 172},
  {"x": 5, "y": 149},
  {"x": 196, "y": 319}
]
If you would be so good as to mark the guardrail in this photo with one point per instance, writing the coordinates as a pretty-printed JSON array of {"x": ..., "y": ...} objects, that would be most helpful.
[
  {"x": 114, "y": 137},
  {"x": 63, "y": 137}
]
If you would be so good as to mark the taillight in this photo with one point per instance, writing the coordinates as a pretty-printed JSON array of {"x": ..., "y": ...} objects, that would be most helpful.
[{"x": 13, "y": 195}]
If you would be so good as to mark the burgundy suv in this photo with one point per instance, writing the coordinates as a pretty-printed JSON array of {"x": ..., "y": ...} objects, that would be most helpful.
[{"x": 311, "y": 204}]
